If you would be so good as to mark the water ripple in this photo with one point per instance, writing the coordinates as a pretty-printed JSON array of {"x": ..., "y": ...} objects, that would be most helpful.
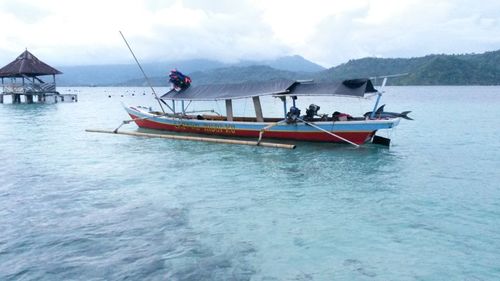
[{"x": 80, "y": 206}]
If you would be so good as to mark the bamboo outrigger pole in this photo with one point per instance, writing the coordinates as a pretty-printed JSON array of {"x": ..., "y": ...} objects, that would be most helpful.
[
  {"x": 262, "y": 131},
  {"x": 145, "y": 76},
  {"x": 190, "y": 138}
]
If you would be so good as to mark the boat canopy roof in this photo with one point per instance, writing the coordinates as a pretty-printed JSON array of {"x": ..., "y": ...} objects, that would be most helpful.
[{"x": 350, "y": 88}]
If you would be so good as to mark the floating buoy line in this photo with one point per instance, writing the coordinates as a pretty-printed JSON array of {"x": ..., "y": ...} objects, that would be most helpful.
[{"x": 128, "y": 94}]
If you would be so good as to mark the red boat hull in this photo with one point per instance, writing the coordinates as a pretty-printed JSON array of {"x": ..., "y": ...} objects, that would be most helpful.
[{"x": 358, "y": 137}]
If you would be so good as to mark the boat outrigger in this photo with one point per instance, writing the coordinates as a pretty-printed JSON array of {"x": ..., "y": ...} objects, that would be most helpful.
[{"x": 336, "y": 128}]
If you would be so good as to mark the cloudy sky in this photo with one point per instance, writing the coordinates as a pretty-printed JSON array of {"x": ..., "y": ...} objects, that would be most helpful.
[{"x": 328, "y": 32}]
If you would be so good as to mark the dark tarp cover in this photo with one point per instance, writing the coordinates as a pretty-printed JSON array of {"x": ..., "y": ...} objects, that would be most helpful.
[
  {"x": 230, "y": 91},
  {"x": 352, "y": 88},
  {"x": 356, "y": 83},
  {"x": 27, "y": 64}
]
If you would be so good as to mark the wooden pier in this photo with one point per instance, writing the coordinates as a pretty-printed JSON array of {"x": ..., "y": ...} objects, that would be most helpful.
[
  {"x": 16, "y": 98},
  {"x": 21, "y": 82}
]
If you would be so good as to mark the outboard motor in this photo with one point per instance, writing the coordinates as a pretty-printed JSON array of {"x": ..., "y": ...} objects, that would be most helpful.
[
  {"x": 311, "y": 112},
  {"x": 292, "y": 115}
]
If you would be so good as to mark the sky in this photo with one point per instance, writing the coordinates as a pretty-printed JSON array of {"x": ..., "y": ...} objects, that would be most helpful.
[{"x": 327, "y": 32}]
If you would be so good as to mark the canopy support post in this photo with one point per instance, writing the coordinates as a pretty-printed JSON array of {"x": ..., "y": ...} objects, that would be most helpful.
[
  {"x": 283, "y": 99},
  {"x": 229, "y": 110},
  {"x": 183, "y": 108},
  {"x": 258, "y": 109},
  {"x": 379, "y": 95}
]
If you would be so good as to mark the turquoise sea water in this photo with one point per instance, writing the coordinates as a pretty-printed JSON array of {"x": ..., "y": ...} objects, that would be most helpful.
[{"x": 83, "y": 206}]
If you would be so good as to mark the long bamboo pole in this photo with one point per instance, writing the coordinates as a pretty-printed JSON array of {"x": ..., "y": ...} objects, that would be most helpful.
[
  {"x": 144, "y": 73},
  {"x": 191, "y": 138}
]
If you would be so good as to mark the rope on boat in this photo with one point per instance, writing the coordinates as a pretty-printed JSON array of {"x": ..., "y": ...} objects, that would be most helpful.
[
  {"x": 190, "y": 138},
  {"x": 208, "y": 110},
  {"x": 328, "y": 132}
]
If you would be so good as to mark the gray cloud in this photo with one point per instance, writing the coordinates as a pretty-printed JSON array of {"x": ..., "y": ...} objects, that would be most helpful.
[
  {"x": 432, "y": 27},
  {"x": 226, "y": 32},
  {"x": 331, "y": 33},
  {"x": 24, "y": 11}
]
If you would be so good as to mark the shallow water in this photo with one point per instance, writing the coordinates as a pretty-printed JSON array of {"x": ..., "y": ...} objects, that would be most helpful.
[{"x": 83, "y": 206}]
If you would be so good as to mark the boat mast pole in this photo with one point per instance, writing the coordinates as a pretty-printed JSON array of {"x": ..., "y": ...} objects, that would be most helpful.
[{"x": 145, "y": 76}]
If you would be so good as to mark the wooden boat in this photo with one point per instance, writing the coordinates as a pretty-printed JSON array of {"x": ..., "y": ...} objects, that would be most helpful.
[{"x": 292, "y": 126}]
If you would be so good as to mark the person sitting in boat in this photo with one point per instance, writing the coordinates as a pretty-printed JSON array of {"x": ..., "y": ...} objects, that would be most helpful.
[{"x": 339, "y": 116}]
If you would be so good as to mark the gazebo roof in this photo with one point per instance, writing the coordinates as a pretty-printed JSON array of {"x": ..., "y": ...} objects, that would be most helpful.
[{"x": 26, "y": 64}]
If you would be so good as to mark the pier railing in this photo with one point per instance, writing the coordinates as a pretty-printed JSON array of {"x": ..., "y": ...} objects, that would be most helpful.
[{"x": 29, "y": 88}]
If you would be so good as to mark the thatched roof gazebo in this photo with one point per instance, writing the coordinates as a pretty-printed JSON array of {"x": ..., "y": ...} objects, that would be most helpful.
[
  {"x": 27, "y": 68},
  {"x": 27, "y": 65}
]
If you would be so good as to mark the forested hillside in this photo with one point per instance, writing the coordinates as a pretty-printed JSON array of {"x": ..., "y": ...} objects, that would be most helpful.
[{"x": 469, "y": 69}]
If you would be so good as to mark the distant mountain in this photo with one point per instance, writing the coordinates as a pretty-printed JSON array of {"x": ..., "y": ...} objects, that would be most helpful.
[
  {"x": 228, "y": 75},
  {"x": 290, "y": 63},
  {"x": 242, "y": 74},
  {"x": 113, "y": 75},
  {"x": 469, "y": 69},
  {"x": 95, "y": 75}
]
